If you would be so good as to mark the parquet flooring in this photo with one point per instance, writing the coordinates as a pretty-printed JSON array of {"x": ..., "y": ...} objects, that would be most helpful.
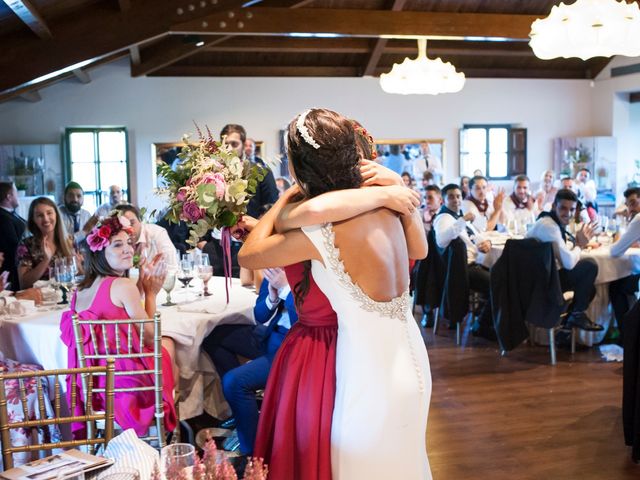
[{"x": 519, "y": 418}]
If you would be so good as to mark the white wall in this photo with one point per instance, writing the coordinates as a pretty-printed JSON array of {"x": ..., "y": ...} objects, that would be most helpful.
[
  {"x": 612, "y": 115},
  {"x": 162, "y": 109}
]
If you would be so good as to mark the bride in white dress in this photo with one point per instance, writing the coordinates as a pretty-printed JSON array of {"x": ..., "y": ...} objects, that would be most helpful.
[{"x": 383, "y": 380}]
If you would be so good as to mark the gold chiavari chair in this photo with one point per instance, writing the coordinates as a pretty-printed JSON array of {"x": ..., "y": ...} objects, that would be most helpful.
[
  {"x": 125, "y": 348},
  {"x": 39, "y": 378}
]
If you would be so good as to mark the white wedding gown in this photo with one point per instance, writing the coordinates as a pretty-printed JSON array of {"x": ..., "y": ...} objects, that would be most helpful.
[{"x": 383, "y": 379}]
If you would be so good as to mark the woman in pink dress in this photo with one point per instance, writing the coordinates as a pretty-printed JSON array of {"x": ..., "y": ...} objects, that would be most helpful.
[{"x": 106, "y": 293}]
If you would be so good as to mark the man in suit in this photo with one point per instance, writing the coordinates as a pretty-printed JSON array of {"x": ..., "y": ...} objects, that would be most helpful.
[
  {"x": 12, "y": 227},
  {"x": 259, "y": 343}
]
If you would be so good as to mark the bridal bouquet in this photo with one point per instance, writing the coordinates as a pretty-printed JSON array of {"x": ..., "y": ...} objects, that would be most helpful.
[{"x": 210, "y": 188}]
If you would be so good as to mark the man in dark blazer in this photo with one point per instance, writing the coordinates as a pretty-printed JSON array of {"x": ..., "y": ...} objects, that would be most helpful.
[
  {"x": 12, "y": 227},
  {"x": 259, "y": 343}
]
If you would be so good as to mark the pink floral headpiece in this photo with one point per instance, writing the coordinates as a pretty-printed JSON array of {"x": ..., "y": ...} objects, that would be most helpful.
[{"x": 106, "y": 228}]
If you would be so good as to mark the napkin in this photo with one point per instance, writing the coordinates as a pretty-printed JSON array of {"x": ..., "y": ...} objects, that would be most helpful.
[
  {"x": 22, "y": 307},
  {"x": 127, "y": 450}
]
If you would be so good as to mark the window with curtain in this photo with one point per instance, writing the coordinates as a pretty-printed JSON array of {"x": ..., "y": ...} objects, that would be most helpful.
[
  {"x": 97, "y": 158},
  {"x": 498, "y": 151}
]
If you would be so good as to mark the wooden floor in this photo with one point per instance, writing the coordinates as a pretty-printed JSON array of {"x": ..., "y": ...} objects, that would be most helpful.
[{"x": 519, "y": 418}]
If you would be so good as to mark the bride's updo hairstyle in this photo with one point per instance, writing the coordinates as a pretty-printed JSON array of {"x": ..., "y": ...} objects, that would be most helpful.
[
  {"x": 325, "y": 157},
  {"x": 323, "y": 152}
]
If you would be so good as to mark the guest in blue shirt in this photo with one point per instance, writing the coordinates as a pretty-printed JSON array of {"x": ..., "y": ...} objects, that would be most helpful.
[{"x": 274, "y": 314}]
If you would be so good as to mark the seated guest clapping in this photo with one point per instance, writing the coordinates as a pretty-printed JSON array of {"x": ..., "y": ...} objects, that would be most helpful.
[
  {"x": 520, "y": 207},
  {"x": 49, "y": 241},
  {"x": 622, "y": 291},
  {"x": 107, "y": 294},
  {"x": 576, "y": 275},
  {"x": 547, "y": 192},
  {"x": 259, "y": 343},
  {"x": 449, "y": 224},
  {"x": 486, "y": 214}
]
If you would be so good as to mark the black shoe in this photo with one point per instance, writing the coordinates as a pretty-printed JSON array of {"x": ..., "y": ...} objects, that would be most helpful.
[
  {"x": 427, "y": 320},
  {"x": 229, "y": 423},
  {"x": 580, "y": 320}
]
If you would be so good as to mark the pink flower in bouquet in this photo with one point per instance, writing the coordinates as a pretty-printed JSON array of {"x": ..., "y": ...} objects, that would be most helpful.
[
  {"x": 218, "y": 180},
  {"x": 181, "y": 195},
  {"x": 96, "y": 241},
  {"x": 192, "y": 211}
]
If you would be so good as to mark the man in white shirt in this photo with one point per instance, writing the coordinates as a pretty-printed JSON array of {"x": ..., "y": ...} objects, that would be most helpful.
[
  {"x": 450, "y": 224},
  {"x": 581, "y": 215},
  {"x": 433, "y": 204},
  {"x": 486, "y": 214},
  {"x": 115, "y": 199},
  {"x": 520, "y": 206},
  {"x": 587, "y": 190},
  {"x": 547, "y": 192},
  {"x": 576, "y": 275},
  {"x": 74, "y": 216},
  {"x": 622, "y": 292},
  {"x": 148, "y": 234}
]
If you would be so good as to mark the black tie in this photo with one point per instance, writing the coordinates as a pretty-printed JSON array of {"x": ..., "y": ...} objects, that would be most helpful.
[{"x": 76, "y": 224}]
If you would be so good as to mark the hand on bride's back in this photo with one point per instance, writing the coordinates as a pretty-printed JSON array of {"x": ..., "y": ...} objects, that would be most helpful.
[
  {"x": 375, "y": 174},
  {"x": 401, "y": 199}
]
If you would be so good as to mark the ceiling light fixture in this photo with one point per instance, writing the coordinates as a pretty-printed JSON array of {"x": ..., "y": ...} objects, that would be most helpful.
[
  {"x": 586, "y": 29},
  {"x": 422, "y": 75}
]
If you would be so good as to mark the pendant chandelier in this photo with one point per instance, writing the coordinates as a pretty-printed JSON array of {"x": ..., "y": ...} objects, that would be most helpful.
[
  {"x": 586, "y": 29},
  {"x": 422, "y": 75}
]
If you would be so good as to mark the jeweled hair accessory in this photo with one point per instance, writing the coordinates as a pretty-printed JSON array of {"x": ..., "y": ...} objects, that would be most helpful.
[
  {"x": 106, "y": 228},
  {"x": 304, "y": 131},
  {"x": 360, "y": 130}
]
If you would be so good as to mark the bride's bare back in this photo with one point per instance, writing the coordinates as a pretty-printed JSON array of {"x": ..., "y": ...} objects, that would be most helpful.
[{"x": 373, "y": 249}]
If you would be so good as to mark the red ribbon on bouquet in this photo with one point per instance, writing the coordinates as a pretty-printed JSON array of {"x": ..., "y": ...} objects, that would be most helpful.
[{"x": 225, "y": 243}]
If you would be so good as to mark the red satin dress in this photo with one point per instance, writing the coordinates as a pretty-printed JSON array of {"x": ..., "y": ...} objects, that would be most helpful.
[{"x": 294, "y": 431}]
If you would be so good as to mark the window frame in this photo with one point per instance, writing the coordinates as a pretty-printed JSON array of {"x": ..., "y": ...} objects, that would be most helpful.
[
  {"x": 510, "y": 150},
  {"x": 97, "y": 194}
]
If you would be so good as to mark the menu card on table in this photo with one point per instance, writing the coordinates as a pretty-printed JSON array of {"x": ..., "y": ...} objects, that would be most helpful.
[{"x": 49, "y": 467}]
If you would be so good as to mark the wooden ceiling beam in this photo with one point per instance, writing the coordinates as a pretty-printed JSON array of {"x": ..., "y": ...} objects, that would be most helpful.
[
  {"x": 90, "y": 35},
  {"x": 490, "y": 72},
  {"x": 81, "y": 75},
  {"x": 363, "y": 23},
  {"x": 174, "y": 49},
  {"x": 32, "y": 96},
  {"x": 244, "y": 44},
  {"x": 380, "y": 44},
  {"x": 256, "y": 71},
  {"x": 124, "y": 5},
  {"x": 25, "y": 10},
  {"x": 134, "y": 54}
]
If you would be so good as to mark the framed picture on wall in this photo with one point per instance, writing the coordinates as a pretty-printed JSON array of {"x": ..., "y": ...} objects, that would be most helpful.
[{"x": 413, "y": 156}]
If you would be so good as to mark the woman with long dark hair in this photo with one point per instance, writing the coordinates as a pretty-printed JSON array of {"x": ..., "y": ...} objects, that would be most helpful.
[
  {"x": 48, "y": 242},
  {"x": 107, "y": 294},
  {"x": 381, "y": 368}
]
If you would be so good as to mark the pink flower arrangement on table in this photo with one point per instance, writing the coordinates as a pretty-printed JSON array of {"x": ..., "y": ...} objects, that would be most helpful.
[
  {"x": 213, "y": 466},
  {"x": 211, "y": 186}
]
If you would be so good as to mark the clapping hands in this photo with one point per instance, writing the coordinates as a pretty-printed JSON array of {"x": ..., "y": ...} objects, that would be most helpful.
[{"x": 152, "y": 274}]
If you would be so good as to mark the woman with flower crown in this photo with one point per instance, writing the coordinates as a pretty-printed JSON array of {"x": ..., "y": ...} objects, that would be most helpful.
[
  {"x": 106, "y": 293},
  {"x": 380, "y": 369}
]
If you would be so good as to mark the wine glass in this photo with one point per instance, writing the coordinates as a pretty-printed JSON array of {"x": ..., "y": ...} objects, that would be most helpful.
[
  {"x": 612, "y": 228},
  {"x": 169, "y": 283},
  {"x": 205, "y": 272},
  {"x": 176, "y": 458},
  {"x": 64, "y": 280},
  {"x": 186, "y": 272}
]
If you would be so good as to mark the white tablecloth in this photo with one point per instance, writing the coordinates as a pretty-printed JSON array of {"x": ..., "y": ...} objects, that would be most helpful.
[{"x": 36, "y": 338}]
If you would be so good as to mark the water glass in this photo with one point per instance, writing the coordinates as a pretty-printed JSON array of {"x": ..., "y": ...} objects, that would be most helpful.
[
  {"x": 186, "y": 272},
  {"x": 169, "y": 283},
  {"x": 176, "y": 458},
  {"x": 205, "y": 272}
]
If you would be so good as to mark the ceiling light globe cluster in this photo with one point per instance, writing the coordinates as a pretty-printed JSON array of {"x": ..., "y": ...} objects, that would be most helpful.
[{"x": 586, "y": 29}]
